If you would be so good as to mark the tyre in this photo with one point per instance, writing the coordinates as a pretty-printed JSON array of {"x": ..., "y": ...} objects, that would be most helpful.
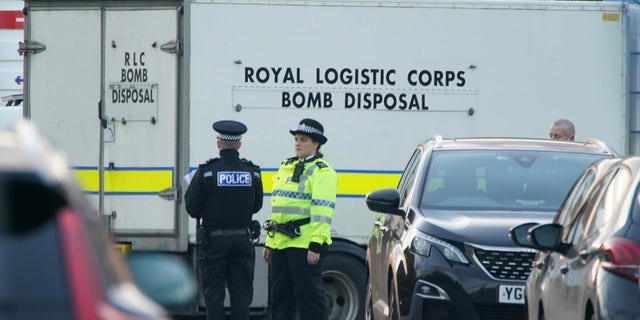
[{"x": 344, "y": 285}]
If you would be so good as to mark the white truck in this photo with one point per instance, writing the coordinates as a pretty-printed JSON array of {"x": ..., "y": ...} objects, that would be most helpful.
[{"x": 130, "y": 89}]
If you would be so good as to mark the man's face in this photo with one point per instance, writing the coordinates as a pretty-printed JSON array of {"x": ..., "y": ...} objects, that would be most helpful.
[{"x": 559, "y": 133}]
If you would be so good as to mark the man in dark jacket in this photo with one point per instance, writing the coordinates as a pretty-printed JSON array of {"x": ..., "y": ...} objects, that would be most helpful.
[{"x": 225, "y": 192}]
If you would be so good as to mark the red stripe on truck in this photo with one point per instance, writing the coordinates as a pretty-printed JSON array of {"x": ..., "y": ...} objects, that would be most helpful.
[{"x": 11, "y": 19}]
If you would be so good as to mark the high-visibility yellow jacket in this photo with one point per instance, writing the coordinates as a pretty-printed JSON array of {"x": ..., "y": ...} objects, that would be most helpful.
[{"x": 313, "y": 197}]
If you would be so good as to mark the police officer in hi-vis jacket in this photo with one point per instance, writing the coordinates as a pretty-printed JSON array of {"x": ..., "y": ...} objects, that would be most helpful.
[
  {"x": 299, "y": 229},
  {"x": 225, "y": 192}
]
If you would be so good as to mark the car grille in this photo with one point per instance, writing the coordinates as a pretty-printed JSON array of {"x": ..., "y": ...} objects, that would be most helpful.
[
  {"x": 503, "y": 312},
  {"x": 440, "y": 310},
  {"x": 505, "y": 265},
  {"x": 447, "y": 310}
]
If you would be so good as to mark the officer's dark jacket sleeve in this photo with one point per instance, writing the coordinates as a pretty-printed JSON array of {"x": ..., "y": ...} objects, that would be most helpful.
[{"x": 195, "y": 196}]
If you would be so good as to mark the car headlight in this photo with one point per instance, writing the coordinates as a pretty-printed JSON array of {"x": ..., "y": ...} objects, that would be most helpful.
[{"x": 422, "y": 244}]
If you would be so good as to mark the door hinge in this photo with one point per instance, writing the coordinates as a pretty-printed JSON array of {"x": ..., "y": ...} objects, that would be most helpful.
[
  {"x": 172, "y": 46},
  {"x": 31, "y": 47}
]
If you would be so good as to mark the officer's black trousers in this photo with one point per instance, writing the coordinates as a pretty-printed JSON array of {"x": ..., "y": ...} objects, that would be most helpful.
[
  {"x": 227, "y": 260},
  {"x": 295, "y": 284}
]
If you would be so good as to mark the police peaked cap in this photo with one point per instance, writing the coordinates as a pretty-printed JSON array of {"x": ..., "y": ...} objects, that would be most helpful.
[
  {"x": 311, "y": 128},
  {"x": 229, "y": 130}
]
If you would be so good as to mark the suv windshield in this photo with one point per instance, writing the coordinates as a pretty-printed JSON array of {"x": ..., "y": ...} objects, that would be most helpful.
[{"x": 501, "y": 180}]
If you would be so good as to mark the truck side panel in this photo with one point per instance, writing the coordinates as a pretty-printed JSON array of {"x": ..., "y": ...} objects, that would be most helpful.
[
  {"x": 382, "y": 77},
  {"x": 11, "y": 33}
]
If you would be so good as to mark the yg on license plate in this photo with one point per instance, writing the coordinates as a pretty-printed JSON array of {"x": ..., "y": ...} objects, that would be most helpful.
[{"x": 511, "y": 294}]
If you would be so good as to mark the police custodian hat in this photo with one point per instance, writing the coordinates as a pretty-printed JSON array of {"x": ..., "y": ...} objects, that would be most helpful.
[
  {"x": 229, "y": 130},
  {"x": 311, "y": 128}
]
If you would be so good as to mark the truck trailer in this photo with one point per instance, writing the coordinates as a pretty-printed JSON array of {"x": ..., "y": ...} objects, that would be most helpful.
[{"x": 129, "y": 89}]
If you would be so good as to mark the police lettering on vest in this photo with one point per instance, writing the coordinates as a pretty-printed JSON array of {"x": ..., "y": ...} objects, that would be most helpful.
[{"x": 234, "y": 179}]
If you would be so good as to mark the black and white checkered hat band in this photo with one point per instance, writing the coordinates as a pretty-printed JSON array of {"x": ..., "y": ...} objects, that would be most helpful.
[
  {"x": 229, "y": 137},
  {"x": 305, "y": 128}
]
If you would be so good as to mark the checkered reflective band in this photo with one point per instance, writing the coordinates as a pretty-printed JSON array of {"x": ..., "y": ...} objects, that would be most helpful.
[
  {"x": 234, "y": 179},
  {"x": 229, "y": 137},
  {"x": 291, "y": 194},
  {"x": 323, "y": 203},
  {"x": 305, "y": 128}
]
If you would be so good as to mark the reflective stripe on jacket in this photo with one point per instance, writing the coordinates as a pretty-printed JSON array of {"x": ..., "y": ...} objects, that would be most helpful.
[{"x": 314, "y": 197}]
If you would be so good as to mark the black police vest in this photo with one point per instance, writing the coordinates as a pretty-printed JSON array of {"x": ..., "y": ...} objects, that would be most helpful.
[{"x": 233, "y": 191}]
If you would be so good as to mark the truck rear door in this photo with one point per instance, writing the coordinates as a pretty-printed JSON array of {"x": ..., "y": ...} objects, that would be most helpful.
[{"x": 110, "y": 77}]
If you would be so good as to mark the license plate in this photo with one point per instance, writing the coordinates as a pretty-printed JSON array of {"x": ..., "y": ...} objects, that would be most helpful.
[{"x": 511, "y": 294}]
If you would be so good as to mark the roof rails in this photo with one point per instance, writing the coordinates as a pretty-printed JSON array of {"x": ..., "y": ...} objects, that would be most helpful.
[
  {"x": 438, "y": 140},
  {"x": 598, "y": 143}
]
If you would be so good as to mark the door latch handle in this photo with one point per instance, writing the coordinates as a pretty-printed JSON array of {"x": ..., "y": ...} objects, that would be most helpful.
[
  {"x": 585, "y": 254},
  {"x": 538, "y": 264},
  {"x": 380, "y": 225}
]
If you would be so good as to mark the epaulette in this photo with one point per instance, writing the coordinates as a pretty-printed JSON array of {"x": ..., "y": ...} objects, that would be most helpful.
[
  {"x": 290, "y": 160},
  {"x": 322, "y": 164},
  {"x": 210, "y": 161}
]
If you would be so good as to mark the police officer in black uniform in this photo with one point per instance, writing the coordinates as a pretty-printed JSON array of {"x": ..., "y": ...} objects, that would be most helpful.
[{"x": 225, "y": 192}]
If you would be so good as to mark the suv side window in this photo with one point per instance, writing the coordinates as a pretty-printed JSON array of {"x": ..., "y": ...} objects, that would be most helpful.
[
  {"x": 606, "y": 211},
  {"x": 582, "y": 186},
  {"x": 578, "y": 227},
  {"x": 408, "y": 177}
]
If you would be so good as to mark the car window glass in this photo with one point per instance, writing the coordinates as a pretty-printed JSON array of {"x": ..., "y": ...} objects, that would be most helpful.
[
  {"x": 607, "y": 208},
  {"x": 578, "y": 193},
  {"x": 409, "y": 173},
  {"x": 17, "y": 191},
  {"x": 33, "y": 277},
  {"x": 578, "y": 226},
  {"x": 501, "y": 180},
  {"x": 636, "y": 205}
]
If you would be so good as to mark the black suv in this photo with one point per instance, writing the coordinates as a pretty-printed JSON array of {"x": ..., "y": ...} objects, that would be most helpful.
[{"x": 440, "y": 247}]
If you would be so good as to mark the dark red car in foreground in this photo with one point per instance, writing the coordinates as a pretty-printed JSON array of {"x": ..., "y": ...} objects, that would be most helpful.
[{"x": 57, "y": 260}]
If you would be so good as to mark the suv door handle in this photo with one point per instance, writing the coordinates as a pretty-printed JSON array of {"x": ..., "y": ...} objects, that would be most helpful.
[
  {"x": 564, "y": 269},
  {"x": 380, "y": 225},
  {"x": 585, "y": 254}
]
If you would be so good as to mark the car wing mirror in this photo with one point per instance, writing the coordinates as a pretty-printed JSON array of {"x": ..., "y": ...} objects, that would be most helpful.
[
  {"x": 520, "y": 234},
  {"x": 547, "y": 237},
  {"x": 385, "y": 201},
  {"x": 166, "y": 279}
]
